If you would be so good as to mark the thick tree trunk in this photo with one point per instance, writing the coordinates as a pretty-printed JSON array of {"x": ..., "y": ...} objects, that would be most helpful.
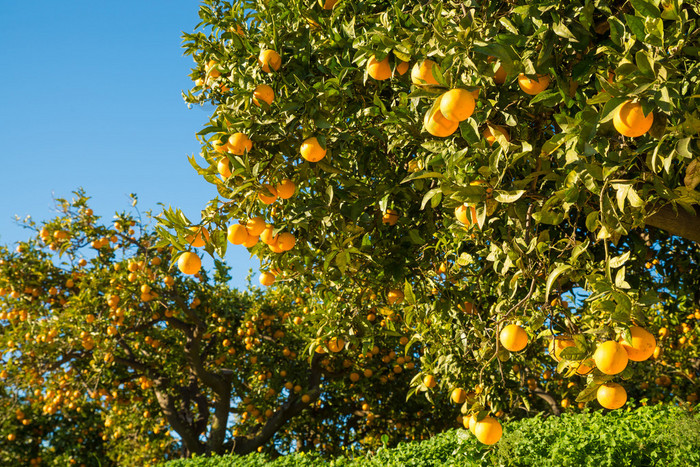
[{"x": 682, "y": 223}]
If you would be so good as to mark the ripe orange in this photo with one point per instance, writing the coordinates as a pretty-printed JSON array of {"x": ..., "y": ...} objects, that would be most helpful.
[
  {"x": 491, "y": 138},
  {"x": 266, "y": 236},
  {"x": 470, "y": 423},
  {"x": 436, "y": 124},
  {"x": 390, "y": 217},
  {"x": 513, "y": 338},
  {"x": 462, "y": 216},
  {"x": 336, "y": 344},
  {"x": 268, "y": 195},
  {"x": 458, "y": 395},
  {"x": 394, "y": 296},
  {"x": 488, "y": 430},
  {"x": 239, "y": 143},
  {"x": 311, "y": 150},
  {"x": 533, "y": 86},
  {"x": 422, "y": 73},
  {"x": 224, "y": 167},
  {"x": 199, "y": 237},
  {"x": 286, "y": 189},
  {"x": 611, "y": 396},
  {"x": 237, "y": 234},
  {"x": 264, "y": 93},
  {"x": 286, "y": 241},
  {"x": 269, "y": 60},
  {"x": 457, "y": 104},
  {"x": 500, "y": 76},
  {"x": 329, "y": 4},
  {"x": 267, "y": 278},
  {"x": 629, "y": 119},
  {"x": 610, "y": 357},
  {"x": 643, "y": 344},
  {"x": 429, "y": 381},
  {"x": 379, "y": 70},
  {"x": 255, "y": 226},
  {"x": 189, "y": 263},
  {"x": 402, "y": 68},
  {"x": 250, "y": 241},
  {"x": 558, "y": 344}
]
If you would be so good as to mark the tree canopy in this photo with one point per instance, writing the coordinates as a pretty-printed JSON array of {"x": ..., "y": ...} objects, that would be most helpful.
[{"x": 531, "y": 179}]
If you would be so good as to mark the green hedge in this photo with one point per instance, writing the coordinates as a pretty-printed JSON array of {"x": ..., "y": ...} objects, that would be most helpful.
[{"x": 649, "y": 436}]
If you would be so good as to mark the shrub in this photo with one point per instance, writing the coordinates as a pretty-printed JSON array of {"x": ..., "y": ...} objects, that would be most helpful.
[{"x": 658, "y": 436}]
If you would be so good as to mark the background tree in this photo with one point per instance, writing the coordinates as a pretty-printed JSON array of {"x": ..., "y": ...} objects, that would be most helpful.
[
  {"x": 538, "y": 166},
  {"x": 110, "y": 355}
]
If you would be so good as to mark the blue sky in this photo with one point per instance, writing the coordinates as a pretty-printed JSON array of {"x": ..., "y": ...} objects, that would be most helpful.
[{"x": 92, "y": 99}]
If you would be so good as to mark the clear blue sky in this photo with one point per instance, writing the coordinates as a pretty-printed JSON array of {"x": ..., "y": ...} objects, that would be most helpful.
[{"x": 92, "y": 99}]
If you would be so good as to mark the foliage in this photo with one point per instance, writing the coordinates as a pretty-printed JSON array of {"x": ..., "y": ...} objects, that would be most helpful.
[
  {"x": 660, "y": 435},
  {"x": 577, "y": 229},
  {"x": 107, "y": 351}
]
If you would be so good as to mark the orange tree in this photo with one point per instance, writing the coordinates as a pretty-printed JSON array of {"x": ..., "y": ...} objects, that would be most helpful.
[
  {"x": 536, "y": 167},
  {"x": 109, "y": 354}
]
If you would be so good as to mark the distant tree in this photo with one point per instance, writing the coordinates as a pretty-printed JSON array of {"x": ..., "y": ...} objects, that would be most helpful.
[{"x": 110, "y": 354}]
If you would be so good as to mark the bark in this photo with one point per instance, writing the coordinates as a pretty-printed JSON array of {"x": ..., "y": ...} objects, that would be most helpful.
[
  {"x": 244, "y": 445},
  {"x": 677, "y": 222},
  {"x": 547, "y": 397}
]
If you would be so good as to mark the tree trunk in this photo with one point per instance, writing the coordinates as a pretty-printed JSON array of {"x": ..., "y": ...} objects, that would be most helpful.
[{"x": 682, "y": 223}]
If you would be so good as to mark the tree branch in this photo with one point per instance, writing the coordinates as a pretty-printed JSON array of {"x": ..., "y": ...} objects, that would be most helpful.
[{"x": 681, "y": 223}]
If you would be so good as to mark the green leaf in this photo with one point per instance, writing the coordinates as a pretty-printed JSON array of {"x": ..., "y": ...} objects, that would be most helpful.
[
  {"x": 636, "y": 25},
  {"x": 508, "y": 196},
  {"x": 618, "y": 261},
  {"x": 429, "y": 195},
  {"x": 588, "y": 394},
  {"x": 558, "y": 271},
  {"x": 645, "y": 8}
]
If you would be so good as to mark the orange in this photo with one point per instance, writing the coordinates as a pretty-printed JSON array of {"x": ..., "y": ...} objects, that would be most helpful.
[
  {"x": 189, "y": 263},
  {"x": 429, "y": 381},
  {"x": 533, "y": 86},
  {"x": 488, "y": 430},
  {"x": 329, "y": 4},
  {"x": 513, "y": 338},
  {"x": 422, "y": 73},
  {"x": 470, "y": 423},
  {"x": 224, "y": 167},
  {"x": 394, "y": 296},
  {"x": 379, "y": 70},
  {"x": 643, "y": 344},
  {"x": 458, "y": 395},
  {"x": 269, "y": 60},
  {"x": 274, "y": 247},
  {"x": 255, "y": 226},
  {"x": 266, "y": 236},
  {"x": 491, "y": 138},
  {"x": 268, "y": 195},
  {"x": 199, "y": 238},
  {"x": 462, "y": 216},
  {"x": 237, "y": 234},
  {"x": 336, "y": 344},
  {"x": 436, "y": 124},
  {"x": 402, "y": 68},
  {"x": 311, "y": 150},
  {"x": 213, "y": 71},
  {"x": 610, "y": 357},
  {"x": 500, "y": 76},
  {"x": 219, "y": 146},
  {"x": 558, "y": 344},
  {"x": 239, "y": 143},
  {"x": 250, "y": 241},
  {"x": 263, "y": 93},
  {"x": 286, "y": 189},
  {"x": 629, "y": 120},
  {"x": 390, "y": 217},
  {"x": 267, "y": 278},
  {"x": 286, "y": 241},
  {"x": 611, "y": 396},
  {"x": 457, "y": 104}
]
